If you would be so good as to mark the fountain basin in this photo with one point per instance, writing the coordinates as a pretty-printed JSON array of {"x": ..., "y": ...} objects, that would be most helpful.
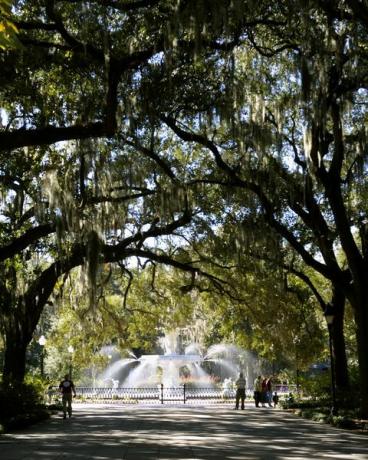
[{"x": 172, "y": 357}]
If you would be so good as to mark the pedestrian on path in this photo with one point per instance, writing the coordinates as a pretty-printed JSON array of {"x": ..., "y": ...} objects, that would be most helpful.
[
  {"x": 269, "y": 391},
  {"x": 66, "y": 388},
  {"x": 240, "y": 391},
  {"x": 258, "y": 390},
  {"x": 264, "y": 392}
]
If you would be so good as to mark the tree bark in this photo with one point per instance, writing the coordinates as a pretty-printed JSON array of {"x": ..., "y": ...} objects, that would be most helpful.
[
  {"x": 16, "y": 342},
  {"x": 359, "y": 301},
  {"x": 338, "y": 343}
]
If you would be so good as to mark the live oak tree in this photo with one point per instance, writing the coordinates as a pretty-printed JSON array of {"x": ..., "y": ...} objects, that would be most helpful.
[
  {"x": 262, "y": 99},
  {"x": 220, "y": 108},
  {"x": 68, "y": 201},
  {"x": 275, "y": 105},
  {"x": 296, "y": 141}
]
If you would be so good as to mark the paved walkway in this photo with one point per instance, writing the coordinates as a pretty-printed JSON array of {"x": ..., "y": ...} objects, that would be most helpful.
[{"x": 163, "y": 432}]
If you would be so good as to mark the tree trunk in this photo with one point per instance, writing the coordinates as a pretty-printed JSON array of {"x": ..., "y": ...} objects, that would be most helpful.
[
  {"x": 359, "y": 301},
  {"x": 19, "y": 328},
  {"x": 16, "y": 343},
  {"x": 338, "y": 343},
  {"x": 21, "y": 322}
]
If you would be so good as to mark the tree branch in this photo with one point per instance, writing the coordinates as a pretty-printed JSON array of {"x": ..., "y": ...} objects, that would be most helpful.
[
  {"x": 31, "y": 236},
  {"x": 153, "y": 156}
]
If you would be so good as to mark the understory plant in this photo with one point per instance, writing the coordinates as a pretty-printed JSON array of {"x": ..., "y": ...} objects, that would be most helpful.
[{"x": 21, "y": 404}]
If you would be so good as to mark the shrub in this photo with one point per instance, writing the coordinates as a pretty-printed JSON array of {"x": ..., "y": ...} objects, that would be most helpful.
[
  {"x": 317, "y": 386},
  {"x": 343, "y": 422},
  {"x": 21, "y": 404}
]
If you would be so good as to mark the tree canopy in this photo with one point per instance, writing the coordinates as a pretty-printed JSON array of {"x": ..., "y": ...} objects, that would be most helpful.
[{"x": 140, "y": 129}]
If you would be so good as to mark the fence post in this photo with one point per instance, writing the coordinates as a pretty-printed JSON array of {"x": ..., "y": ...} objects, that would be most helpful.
[
  {"x": 162, "y": 393},
  {"x": 184, "y": 392}
]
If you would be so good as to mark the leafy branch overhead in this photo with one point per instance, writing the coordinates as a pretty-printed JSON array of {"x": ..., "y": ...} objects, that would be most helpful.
[{"x": 224, "y": 139}]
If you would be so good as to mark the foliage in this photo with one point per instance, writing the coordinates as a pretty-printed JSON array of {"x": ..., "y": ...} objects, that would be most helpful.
[
  {"x": 218, "y": 137},
  {"x": 158, "y": 300},
  {"x": 8, "y": 30},
  {"x": 283, "y": 159},
  {"x": 320, "y": 411},
  {"x": 21, "y": 404},
  {"x": 154, "y": 304},
  {"x": 261, "y": 315},
  {"x": 317, "y": 386}
]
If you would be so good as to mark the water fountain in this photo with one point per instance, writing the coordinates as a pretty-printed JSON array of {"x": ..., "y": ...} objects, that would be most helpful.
[{"x": 178, "y": 365}]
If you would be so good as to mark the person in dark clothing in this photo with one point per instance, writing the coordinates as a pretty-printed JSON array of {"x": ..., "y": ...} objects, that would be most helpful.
[
  {"x": 269, "y": 391},
  {"x": 67, "y": 389},
  {"x": 264, "y": 392},
  {"x": 258, "y": 390}
]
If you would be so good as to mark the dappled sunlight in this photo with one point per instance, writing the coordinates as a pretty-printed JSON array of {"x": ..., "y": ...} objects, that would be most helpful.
[{"x": 96, "y": 433}]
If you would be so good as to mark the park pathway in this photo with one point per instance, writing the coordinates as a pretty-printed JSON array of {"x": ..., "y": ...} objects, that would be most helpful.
[{"x": 103, "y": 432}]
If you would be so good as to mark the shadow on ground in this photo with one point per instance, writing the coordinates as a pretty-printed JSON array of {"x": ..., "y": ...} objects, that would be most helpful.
[{"x": 112, "y": 433}]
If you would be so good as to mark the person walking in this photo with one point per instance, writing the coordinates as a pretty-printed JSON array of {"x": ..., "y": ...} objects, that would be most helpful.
[
  {"x": 67, "y": 389},
  {"x": 240, "y": 391},
  {"x": 264, "y": 392},
  {"x": 258, "y": 390},
  {"x": 269, "y": 391}
]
